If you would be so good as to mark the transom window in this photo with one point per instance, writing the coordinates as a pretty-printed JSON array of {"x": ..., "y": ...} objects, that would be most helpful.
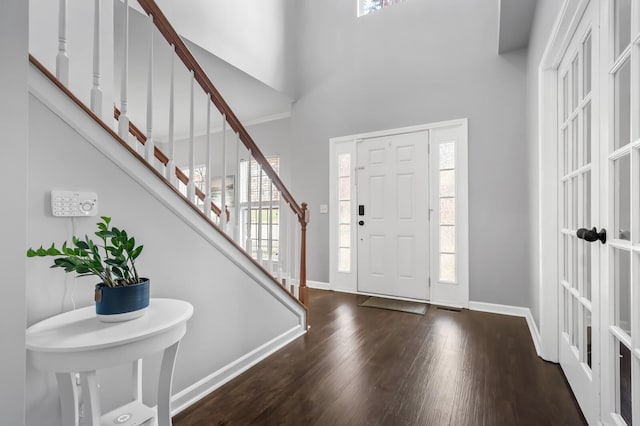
[{"x": 367, "y": 6}]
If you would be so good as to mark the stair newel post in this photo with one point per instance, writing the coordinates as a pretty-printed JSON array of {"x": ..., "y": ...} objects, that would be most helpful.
[
  {"x": 249, "y": 206},
  {"x": 96, "y": 92},
  {"x": 191, "y": 187},
  {"x": 149, "y": 146},
  {"x": 123, "y": 121},
  {"x": 171, "y": 165},
  {"x": 207, "y": 196},
  {"x": 223, "y": 179},
  {"x": 260, "y": 213},
  {"x": 62, "y": 59},
  {"x": 304, "y": 297}
]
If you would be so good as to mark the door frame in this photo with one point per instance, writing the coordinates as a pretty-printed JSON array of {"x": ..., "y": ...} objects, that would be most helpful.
[{"x": 439, "y": 293}]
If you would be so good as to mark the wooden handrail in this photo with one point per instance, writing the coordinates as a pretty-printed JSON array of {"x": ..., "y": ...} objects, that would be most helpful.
[
  {"x": 162, "y": 157},
  {"x": 151, "y": 169},
  {"x": 182, "y": 51}
]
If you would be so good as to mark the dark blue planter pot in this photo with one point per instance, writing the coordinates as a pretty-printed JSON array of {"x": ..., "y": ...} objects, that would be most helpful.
[{"x": 115, "y": 304}]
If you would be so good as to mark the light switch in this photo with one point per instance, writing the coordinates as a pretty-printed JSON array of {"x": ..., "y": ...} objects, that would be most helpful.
[{"x": 324, "y": 209}]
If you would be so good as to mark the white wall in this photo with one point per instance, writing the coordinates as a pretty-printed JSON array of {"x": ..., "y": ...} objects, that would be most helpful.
[
  {"x": 250, "y": 35},
  {"x": 420, "y": 62},
  {"x": 233, "y": 313},
  {"x": 13, "y": 226},
  {"x": 546, "y": 13}
]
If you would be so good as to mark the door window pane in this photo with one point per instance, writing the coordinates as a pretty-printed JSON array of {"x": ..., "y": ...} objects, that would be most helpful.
[
  {"x": 447, "y": 211},
  {"x": 447, "y": 155},
  {"x": 586, "y": 55},
  {"x": 587, "y": 336},
  {"x": 586, "y": 133},
  {"x": 587, "y": 270},
  {"x": 622, "y": 198},
  {"x": 622, "y": 25},
  {"x": 565, "y": 150},
  {"x": 622, "y": 103},
  {"x": 565, "y": 96},
  {"x": 567, "y": 309},
  {"x": 622, "y": 281},
  {"x": 623, "y": 381},
  {"x": 587, "y": 199},
  {"x": 344, "y": 188},
  {"x": 575, "y": 324},
  {"x": 344, "y": 260},
  {"x": 447, "y": 267},
  {"x": 447, "y": 239},
  {"x": 344, "y": 213},
  {"x": 447, "y": 183}
]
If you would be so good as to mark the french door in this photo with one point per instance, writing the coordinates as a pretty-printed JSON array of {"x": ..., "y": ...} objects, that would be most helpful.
[
  {"x": 579, "y": 169},
  {"x": 620, "y": 154},
  {"x": 393, "y": 211},
  {"x": 599, "y": 188}
]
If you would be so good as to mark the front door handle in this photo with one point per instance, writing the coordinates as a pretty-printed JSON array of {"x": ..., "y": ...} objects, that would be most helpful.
[
  {"x": 591, "y": 235},
  {"x": 361, "y": 222}
]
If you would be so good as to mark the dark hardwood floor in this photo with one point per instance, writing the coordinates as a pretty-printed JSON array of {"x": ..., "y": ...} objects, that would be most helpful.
[{"x": 366, "y": 366}]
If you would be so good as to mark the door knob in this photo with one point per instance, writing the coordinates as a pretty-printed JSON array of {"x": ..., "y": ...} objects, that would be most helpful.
[
  {"x": 591, "y": 235},
  {"x": 361, "y": 222}
]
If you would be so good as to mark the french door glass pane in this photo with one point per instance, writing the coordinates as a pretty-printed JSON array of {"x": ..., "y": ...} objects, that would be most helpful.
[
  {"x": 587, "y": 336},
  {"x": 586, "y": 55},
  {"x": 575, "y": 327},
  {"x": 587, "y": 270},
  {"x": 567, "y": 306},
  {"x": 622, "y": 280},
  {"x": 587, "y": 133},
  {"x": 565, "y": 96},
  {"x": 344, "y": 188},
  {"x": 622, "y": 198},
  {"x": 622, "y": 128},
  {"x": 622, "y": 25},
  {"x": 565, "y": 256},
  {"x": 574, "y": 203},
  {"x": 574, "y": 143},
  {"x": 587, "y": 199},
  {"x": 574, "y": 262},
  {"x": 574, "y": 82},
  {"x": 623, "y": 381}
]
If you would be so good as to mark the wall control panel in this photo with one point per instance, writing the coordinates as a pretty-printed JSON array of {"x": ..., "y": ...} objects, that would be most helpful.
[{"x": 73, "y": 203}]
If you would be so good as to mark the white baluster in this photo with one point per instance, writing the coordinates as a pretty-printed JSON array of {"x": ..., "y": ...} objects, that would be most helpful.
[
  {"x": 123, "y": 121},
  {"x": 248, "y": 244},
  {"x": 236, "y": 191},
  {"x": 171, "y": 165},
  {"x": 295, "y": 258},
  {"x": 62, "y": 59},
  {"x": 207, "y": 198},
  {"x": 223, "y": 180},
  {"x": 260, "y": 215},
  {"x": 149, "y": 147},
  {"x": 191, "y": 187},
  {"x": 270, "y": 228},
  {"x": 96, "y": 92}
]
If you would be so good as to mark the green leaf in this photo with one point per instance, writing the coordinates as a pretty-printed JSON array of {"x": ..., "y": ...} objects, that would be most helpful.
[
  {"x": 31, "y": 253},
  {"x": 106, "y": 219},
  {"x": 136, "y": 252}
]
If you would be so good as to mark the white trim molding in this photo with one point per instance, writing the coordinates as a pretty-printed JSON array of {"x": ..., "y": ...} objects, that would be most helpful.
[
  {"x": 514, "y": 311},
  {"x": 319, "y": 285},
  {"x": 194, "y": 393}
]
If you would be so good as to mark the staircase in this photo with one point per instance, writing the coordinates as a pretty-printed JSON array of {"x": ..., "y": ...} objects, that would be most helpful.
[
  {"x": 251, "y": 207},
  {"x": 89, "y": 126}
]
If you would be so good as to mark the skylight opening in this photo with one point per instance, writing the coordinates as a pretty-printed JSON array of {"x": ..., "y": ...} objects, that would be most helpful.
[{"x": 367, "y": 6}]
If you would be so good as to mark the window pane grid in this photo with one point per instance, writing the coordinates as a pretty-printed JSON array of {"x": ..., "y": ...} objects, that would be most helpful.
[
  {"x": 447, "y": 205},
  {"x": 344, "y": 212}
]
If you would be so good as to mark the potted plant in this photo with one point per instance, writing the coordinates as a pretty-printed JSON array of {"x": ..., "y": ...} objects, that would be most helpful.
[{"x": 122, "y": 294}]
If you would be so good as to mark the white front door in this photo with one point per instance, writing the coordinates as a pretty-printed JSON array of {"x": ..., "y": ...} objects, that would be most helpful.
[
  {"x": 578, "y": 171},
  {"x": 393, "y": 215}
]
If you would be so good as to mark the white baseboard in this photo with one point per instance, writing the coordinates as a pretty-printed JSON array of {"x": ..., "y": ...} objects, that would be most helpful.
[
  {"x": 318, "y": 285},
  {"x": 516, "y": 311},
  {"x": 205, "y": 386}
]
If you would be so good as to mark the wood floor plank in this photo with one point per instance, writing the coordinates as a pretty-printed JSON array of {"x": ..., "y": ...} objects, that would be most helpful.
[{"x": 365, "y": 366}]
